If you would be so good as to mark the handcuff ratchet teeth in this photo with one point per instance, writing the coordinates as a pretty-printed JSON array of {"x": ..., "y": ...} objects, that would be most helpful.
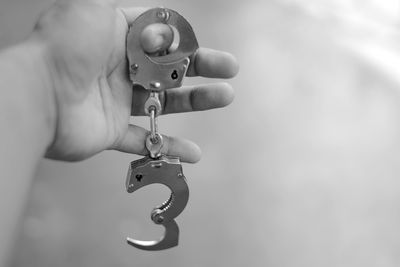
[{"x": 156, "y": 73}]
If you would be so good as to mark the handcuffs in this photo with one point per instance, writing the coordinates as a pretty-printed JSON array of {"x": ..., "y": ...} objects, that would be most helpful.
[{"x": 156, "y": 73}]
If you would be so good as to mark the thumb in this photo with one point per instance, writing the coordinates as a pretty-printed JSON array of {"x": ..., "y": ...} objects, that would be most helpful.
[{"x": 156, "y": 38}]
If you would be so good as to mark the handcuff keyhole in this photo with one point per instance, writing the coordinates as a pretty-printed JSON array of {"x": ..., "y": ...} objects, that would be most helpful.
[
  {"x": 174, "y": 75},
  {"x": 139, "y": 177}
]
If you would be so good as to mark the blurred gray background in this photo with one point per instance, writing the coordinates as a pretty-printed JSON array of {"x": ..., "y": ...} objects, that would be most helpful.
[{"x": 301, "y": 170}]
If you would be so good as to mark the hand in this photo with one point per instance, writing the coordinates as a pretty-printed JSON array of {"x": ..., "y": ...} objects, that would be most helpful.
[{"x": 85, "y": 44}]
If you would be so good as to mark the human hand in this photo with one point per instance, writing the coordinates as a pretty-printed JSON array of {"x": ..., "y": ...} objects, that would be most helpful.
[{"x": 85, "y": 44}]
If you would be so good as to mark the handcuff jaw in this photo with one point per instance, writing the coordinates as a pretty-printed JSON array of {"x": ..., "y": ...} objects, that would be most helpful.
[
  {"x": 169, "y": 69},
  {"x": 168, "y": 171},
  {"x": 169, "y": 240}
]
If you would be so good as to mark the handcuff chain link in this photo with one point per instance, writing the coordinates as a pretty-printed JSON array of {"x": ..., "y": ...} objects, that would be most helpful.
[{"x": 154, "y": 141}]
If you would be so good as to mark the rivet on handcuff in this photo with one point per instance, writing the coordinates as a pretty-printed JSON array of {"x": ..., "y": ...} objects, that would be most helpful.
[{"x": 158, "y": 72}]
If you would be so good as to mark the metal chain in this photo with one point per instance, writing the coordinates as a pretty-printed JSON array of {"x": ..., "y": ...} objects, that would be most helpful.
[{"x": 154, "y": 141}]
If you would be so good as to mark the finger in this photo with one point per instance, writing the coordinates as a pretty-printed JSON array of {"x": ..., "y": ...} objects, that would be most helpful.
[
  {"x": 131, "y": 13},
  {"x": 213, "y": 64},
  {"x": 135, "y": 139},
  {"x": 197, "y": 98},
  {"x": 156, "y": 38},
  {"x": 186, "y": 99}
]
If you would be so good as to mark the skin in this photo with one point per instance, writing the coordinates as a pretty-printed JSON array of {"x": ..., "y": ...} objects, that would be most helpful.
[{"x": 65, "y": 94}]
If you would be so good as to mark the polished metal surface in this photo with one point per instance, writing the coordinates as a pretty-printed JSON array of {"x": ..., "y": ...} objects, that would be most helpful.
[
  {"x": 155, "y": 72},
  {"x": 154, "y": 145},
  {"x": 153, "y": 102},
  {"x": 167, "y": 171}
]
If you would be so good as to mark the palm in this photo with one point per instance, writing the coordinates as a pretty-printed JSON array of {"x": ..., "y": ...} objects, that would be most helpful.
[
  {"x": 95, "y": 124},
  {"x": 99, "y": 113}
]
